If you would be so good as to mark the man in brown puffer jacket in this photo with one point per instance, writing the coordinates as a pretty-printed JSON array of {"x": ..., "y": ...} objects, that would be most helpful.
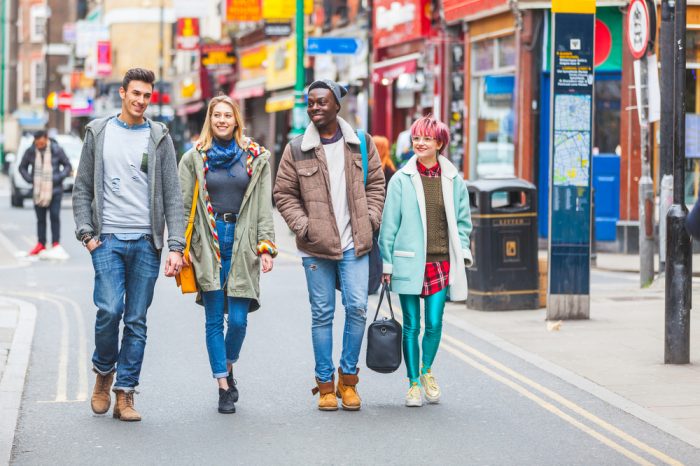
[{"x": 321, "y": 193}]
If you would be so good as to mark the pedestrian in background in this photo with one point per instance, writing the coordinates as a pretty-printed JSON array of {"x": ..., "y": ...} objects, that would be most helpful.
[
  {"x": 126, "y": 190},
  {"x": 233, "y": 217},
  {"x": 384, "y": 150},
  {"x": 322, "y": 195},
  {"x": 45, "y": 166},
  {"x": 424, "y": 241}
]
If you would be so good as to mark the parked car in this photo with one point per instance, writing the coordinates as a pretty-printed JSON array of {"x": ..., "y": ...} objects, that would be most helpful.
[{"x": 19, "y": 188}]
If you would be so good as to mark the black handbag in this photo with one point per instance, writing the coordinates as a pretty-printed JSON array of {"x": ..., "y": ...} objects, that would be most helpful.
[{"x": 384, "y": 339}]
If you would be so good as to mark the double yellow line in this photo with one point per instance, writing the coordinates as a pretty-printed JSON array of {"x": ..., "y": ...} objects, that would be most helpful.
[{"x": 550, "y": 400}]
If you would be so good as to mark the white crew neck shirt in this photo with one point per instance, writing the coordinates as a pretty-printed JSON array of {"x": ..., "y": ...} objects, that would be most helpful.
[{"x": 335, "y": 156}]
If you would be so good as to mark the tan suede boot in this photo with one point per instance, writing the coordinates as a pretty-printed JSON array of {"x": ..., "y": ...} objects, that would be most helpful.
[
  {"x": 101, "y": 398},
  {"x": 347, "y": 390},
  {"x": 124, "y": 407},
  {"x": 327, "y": 400}
]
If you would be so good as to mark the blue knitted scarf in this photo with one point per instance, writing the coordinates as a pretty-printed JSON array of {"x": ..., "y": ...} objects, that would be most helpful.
[{"x": 223, "y": 154}]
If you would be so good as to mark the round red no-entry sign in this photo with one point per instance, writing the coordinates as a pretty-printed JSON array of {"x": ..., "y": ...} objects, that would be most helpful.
[
  {"x": 65, "y": 100},
  {"x": 638, "y": 28}
]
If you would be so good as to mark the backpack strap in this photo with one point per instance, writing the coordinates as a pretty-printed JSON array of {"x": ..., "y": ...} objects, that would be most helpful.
[{"x": 364, "y": 140}]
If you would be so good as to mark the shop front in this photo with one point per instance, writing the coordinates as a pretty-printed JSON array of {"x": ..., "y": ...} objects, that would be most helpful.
[
  {"x": 692, "y": 107},
  {"x": 280, "y": 77},
  {"x": 405, "y": 79},
  {"x": 249, "y": 92}
]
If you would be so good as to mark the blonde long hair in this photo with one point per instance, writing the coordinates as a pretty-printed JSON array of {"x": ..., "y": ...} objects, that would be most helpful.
[{"x": 205, "y": 139}]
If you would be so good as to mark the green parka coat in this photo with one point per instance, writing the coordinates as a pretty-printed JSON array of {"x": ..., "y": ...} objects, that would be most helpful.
[{"x": 254, "y": 224}]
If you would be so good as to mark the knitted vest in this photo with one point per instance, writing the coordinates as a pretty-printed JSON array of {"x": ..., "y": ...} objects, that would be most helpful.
[{"x": 436, "y": 219}]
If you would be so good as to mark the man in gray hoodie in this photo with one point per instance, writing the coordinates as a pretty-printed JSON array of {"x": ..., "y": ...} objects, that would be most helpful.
[{"x": 126, "y": 190}]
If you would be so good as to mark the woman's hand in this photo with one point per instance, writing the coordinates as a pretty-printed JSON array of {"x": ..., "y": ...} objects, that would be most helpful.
[
  {"x": 266, "y": 260},
  {"x": 386, "y": 278}
]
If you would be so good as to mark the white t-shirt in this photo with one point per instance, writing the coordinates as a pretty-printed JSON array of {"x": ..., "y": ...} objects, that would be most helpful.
[{"x": 335, "y": 156}]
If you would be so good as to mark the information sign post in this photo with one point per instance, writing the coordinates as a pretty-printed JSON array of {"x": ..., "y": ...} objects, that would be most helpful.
[{"x": 570, "y": 159}]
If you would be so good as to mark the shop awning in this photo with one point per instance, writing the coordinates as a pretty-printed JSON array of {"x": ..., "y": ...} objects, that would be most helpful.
[
  {"x": 280, "y": 102},
  {"x": 395, "y": 67},
  {"x": 249, "y": 88},
  {"x": 190, "y": 108}
]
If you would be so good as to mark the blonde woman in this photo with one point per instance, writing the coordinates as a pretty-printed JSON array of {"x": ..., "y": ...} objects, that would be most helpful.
[{"x": 233, "y": 235}]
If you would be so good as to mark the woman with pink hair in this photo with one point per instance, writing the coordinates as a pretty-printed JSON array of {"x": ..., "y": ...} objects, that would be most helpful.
[{"x": 424, "y": 242}]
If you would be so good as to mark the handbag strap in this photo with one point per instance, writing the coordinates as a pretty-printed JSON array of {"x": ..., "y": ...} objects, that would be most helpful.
[
  {"x": 190, "y": 221},
  {"x": 385, "y": 291}
]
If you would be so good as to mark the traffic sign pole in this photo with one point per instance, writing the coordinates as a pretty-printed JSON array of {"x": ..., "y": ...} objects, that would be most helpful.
[{"x": 639, "y": 20}]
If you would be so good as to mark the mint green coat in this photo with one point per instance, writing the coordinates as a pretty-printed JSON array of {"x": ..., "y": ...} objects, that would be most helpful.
[{"x": 402, "y": 238}]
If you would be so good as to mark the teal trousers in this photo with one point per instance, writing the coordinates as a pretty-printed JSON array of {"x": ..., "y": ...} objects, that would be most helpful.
[{"x": 434, "y": 308}]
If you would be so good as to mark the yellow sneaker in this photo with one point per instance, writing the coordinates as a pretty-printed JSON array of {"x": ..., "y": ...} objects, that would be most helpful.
[
  {"x": 431, "y": 387},
  {"x": 413, "y": 397}
]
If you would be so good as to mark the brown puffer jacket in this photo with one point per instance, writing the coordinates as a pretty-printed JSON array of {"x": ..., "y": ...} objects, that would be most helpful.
[{"x": 302, "y": 195}]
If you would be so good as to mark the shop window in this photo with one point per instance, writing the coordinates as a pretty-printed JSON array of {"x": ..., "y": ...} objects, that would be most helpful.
[
  {"x": 484, "y": 58},
  {"x": 606, "y": 135},
  {"x": 506, "y": 51},
  {"x": 692, "y": 118},
  {"x": 493, "y": 108}
]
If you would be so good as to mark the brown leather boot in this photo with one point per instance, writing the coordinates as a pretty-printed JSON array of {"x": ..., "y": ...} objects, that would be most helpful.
[
  {"x": 124, "y": 407},
  {"x": 347, "y": 390},
  {"x": 101, "y": 398},
  {"x": 327, "y": 400}
]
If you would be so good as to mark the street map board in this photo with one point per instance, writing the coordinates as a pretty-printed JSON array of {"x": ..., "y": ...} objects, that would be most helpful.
[{"x": 570, "y": 157}]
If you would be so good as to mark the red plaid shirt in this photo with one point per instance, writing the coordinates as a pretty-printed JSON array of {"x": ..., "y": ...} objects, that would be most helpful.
[{"x": 437, "y": 274}]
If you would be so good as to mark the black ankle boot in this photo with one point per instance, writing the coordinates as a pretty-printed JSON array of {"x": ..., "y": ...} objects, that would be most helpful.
[
  {"x": 232, "y": 386},
  {"x": 226, "y": 402}
]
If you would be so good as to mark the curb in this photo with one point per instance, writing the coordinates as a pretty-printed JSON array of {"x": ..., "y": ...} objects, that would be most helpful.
[
  {"x": 14, "y": 375},
  {"x": 608, "y": 396}
]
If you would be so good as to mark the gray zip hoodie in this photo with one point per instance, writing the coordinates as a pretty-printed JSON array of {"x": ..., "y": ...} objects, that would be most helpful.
[{"x": 165, "y": 196}]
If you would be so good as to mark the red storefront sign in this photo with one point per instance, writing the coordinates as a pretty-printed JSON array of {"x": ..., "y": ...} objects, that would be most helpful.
[
  {"x": 104, "y": 58},
  {"x": 399, "y": 21},
  {"x": 187, "y": 33},
  {"x": 459, "y": 9}
]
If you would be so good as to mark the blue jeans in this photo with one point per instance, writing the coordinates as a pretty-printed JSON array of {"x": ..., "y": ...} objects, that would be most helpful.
[
  {"x": 353, "y": 275},
  {"x": 125, "y": 275},
  {"x": 224, "y": 350}
]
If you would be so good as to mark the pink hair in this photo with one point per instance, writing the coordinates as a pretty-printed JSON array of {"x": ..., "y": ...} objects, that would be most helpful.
[{"x": 428, "y": 126}]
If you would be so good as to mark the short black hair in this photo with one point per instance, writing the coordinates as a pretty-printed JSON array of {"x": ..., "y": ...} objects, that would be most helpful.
[
  {"x": 138, "y": 74},
  {"x": 40, "y": 134}
]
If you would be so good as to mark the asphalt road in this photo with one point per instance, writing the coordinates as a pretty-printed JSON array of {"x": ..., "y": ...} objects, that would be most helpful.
[{"x": 496, "y": 408}]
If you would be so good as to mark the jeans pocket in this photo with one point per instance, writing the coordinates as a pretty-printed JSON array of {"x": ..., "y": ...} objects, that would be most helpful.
[{"x": 103, "y": 238}]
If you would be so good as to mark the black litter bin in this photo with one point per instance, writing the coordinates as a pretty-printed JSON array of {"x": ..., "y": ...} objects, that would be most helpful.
[{"x": 504, "y": 245}]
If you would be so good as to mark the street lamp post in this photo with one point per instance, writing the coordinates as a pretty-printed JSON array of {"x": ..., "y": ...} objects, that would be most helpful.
[
  {"x": 678, "y": 245},
  {"x": 299, "y": 105},
  {"x": 3, "y": 7}
]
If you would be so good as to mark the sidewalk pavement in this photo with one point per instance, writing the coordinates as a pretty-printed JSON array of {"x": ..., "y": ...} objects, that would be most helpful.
[
  {"x": 17, "y": 322},
  {"x": 617, "y": 355}
]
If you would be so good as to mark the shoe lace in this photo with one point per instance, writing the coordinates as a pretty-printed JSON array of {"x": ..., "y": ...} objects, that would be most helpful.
[
  {"x": 430, "y": 381},
  {"x": 129, "y": 399}
]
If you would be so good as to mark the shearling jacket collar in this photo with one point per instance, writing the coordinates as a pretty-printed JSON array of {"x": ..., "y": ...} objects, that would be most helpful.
[
  {"x": 312, "y": 138},
  {"x": 448, "y": 169}
]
